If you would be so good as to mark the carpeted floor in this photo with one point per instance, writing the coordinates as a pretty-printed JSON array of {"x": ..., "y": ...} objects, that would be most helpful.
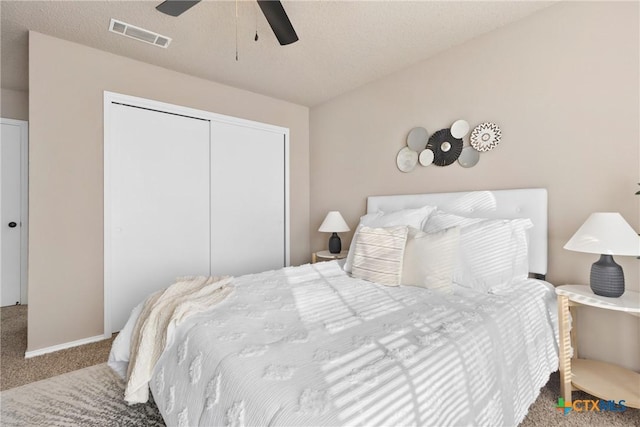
[
  {"x": 88, "y": 397},
  {"x": 15, "y": 370},
  {"x": 543, "y": 412},
  {"x": 93, "y": 396}
]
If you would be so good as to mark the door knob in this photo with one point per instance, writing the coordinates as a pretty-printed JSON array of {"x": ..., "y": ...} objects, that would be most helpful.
[{"x": 12, "y": 224}]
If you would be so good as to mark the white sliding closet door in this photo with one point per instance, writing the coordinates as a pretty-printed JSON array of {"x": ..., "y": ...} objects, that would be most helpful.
[
  {"x": 248, "y": 199},
  {"x": 159, "y": 204}
]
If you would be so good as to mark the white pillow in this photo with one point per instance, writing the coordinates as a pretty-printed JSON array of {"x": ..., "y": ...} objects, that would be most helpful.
[
  {"x": 493, "y": 252},
  {"x": 441, "y": 220},
  {"x": 378, "y": 254},
  {"x": 415, "y": 218},
  {"x": 429, "y": 259}
]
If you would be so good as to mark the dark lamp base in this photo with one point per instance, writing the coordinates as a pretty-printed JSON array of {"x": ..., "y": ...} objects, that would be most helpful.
[
  {"x": 607, "y": 277},
  {"x": 335, "y": 245}
]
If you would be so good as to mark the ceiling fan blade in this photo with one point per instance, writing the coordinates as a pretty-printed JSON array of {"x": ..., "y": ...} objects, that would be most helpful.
[
  {"x": 279, "y": 21},
  {"x": 176, "y": 7}
]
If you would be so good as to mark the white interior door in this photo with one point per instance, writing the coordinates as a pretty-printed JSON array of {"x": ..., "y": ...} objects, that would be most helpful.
[
  {"x": 248, "y": 199},
  {"x": 12, "y": 216},
  {"x": 158, "y": 204}
]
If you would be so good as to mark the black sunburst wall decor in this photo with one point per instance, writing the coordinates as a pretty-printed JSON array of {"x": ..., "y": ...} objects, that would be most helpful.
[
  {"x": 446, "y": 149},
  {"x": 446, "y": 146}
]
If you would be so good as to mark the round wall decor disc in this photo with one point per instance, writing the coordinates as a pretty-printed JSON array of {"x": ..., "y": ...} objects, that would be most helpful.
[
  {"x": 417, "y": 139},
  {"x": 469, "y": 157},
  {"x": 485, "y": 136},
  {"x": 445, "y": 147},
  {"x": 459, "y": 129},
  {"x": 406, "y": 159},
  {"x": 426, "y": 157}
]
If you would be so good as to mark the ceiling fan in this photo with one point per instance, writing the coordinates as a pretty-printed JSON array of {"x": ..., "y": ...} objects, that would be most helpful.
[{"x": 272, "y": 10}]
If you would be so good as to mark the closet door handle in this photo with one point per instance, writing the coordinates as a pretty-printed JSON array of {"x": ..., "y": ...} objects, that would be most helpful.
[{"x": 12, "y": 224}]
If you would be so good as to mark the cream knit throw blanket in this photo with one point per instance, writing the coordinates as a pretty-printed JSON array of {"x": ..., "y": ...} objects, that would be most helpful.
[{"x": 188, "y": 296}]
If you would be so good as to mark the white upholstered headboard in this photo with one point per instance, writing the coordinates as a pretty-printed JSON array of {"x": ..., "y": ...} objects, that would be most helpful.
[{"x": 524, "y": 203}]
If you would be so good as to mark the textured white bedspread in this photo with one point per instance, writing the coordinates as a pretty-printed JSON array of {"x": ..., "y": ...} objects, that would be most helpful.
[{"x": 310, "y": 345}]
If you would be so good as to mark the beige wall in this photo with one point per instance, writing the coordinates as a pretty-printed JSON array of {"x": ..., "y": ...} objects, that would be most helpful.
[
  {"x": 563, "y": 85},
  {"x": 14, "y": 104},
  {"x": 66, "y": 82}
]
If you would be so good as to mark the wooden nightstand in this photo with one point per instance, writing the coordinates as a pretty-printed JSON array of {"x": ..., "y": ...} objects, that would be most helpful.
[
  {"x": 604, "y": 380},
  {"x": 327, "y": 256}
]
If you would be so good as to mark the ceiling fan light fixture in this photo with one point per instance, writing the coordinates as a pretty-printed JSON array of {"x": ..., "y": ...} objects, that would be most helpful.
[
  {"x": 272, "y": 10},
  {"x": 138, "y": 33}
]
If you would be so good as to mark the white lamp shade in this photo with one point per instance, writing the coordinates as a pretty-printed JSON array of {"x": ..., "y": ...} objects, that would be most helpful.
[
  {"x": 333, "y": 223},
  {"x": 605, "y": 233}
]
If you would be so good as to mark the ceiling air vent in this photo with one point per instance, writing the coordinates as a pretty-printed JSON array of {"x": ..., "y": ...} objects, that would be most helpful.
[{"x": 138, "y": 33}]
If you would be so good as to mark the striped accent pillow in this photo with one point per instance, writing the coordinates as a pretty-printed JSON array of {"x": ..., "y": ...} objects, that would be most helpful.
[{"x": 379, "y": 253}]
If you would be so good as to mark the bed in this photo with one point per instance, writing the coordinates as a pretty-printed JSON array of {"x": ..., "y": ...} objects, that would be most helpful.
[{"x": 314, "y": 345}]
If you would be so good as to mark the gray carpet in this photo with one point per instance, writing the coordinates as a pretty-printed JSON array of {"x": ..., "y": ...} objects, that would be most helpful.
[
  {"x": 87, "y": 397},
  {"x": 15, "y": 370},
  {"x": 543, "y": 412},
  {"x": 93, "y": 397}
]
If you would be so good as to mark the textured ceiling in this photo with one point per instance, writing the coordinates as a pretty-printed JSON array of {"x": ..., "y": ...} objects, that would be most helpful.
[{"x": 343, "y": 44}]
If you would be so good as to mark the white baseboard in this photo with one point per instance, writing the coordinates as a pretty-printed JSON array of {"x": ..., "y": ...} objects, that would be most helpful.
[{"x": 64, "y": 346}]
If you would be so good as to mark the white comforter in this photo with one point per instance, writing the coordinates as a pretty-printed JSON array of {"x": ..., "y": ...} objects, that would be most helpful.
[{"x": 309, "y": 345}]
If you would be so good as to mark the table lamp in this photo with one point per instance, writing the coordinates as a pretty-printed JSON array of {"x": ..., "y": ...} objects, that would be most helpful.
[
  {"x": 334, "y": 224},
  {"x": 607, "y": 234}
]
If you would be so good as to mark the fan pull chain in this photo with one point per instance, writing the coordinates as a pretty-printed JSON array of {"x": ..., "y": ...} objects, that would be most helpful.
[
  {"x": 236, "y": 30},
  {"x": 255, "y": 14}
]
